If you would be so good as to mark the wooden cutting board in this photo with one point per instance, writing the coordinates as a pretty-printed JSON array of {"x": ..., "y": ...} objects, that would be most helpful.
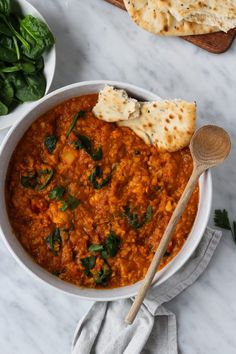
[{"x": 213, "y": 42}]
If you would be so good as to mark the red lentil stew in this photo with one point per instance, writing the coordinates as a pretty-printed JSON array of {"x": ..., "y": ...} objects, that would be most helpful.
[{"x": 85, "y": 196}]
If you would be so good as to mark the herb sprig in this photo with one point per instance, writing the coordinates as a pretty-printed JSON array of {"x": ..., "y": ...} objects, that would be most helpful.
[{"x": 221, "y": 220}]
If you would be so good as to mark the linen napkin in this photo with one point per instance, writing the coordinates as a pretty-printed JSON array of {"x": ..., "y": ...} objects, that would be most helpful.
[{"x": 103, "y": 331}]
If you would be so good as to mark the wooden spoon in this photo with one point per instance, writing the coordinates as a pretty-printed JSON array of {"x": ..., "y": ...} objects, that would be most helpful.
[{"x": 209, "y": 146}]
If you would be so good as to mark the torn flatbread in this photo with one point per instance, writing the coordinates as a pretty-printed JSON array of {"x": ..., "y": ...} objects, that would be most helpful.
[
  {"x": 169, "y": 125},
  {"x": 114, "y": 105},
  {"x": 155, "y": 16},
  {"x": 219, "y": 13}
]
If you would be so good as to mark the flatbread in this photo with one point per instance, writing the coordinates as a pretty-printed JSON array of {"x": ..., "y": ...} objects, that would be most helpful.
[
  {"x": 154, "y": 16},
  {"x": 114, "y": 105},
  {"x": 220, "y": 13},
  {"x": 169, "y": 125}
]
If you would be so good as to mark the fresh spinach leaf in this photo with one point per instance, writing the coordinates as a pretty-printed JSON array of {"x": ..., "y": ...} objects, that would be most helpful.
[
  {"x": 57, "y": 193},
  {"x": 6, "y": 92},
  {"x": 50, "y": 143},
  {"x": 39, "y": 64},
  {"x": 4, "y": 29},
  {"x": 97, "y": 173},
  {"x": 30, "y": 87},
  {"x": 88, "y": 263},
  {"x": 14, "y": 32},
  {"x": 103, "y": 275},
  {"x": 3, "y": 109},
  {"x": 16, "y": 48},
  {"x": 25, "y": 67},
  {"x": 112, "y": 244},
  {"x": 37, "y": 34},
  {"x": 78, "y": 115},
  {"x": 5, "y": 7},
  {"x": 54, "y": 241},
  {"x": 7, "y": 50}
]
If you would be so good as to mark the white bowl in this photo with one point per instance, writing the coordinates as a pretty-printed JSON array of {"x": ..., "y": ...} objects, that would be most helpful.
[
  {"x": 49, "y": 69},
  {"x": 23, "y": 257}
]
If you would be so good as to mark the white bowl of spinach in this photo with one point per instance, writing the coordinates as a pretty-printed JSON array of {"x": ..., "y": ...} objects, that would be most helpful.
[{"x": 27, "y": 59}]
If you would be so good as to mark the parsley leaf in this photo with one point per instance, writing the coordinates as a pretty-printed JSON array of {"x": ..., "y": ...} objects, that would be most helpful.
[{"x": 221, "y": 220}]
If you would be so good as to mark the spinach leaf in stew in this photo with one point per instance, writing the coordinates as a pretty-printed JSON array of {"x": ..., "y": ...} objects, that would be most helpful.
[
  {"x": 88, "y": 263},
  {"x": 78, "y": 115},
  {"x": 50, "y": 143},
  {"x": 110, "y": 248},
  {"x": 70, "y": 202},
  {"x": 37, "y": 180},
  {"x": 57, "y": 193},
  {"x": 97, "y": 174},
  {"x": 112, "y": 244},
  {"x": 133, "y": 218},
  {"x": 103, "y": 275},
  {"x": 54, "y": 241},
  {"x": 83, "y": 142}
]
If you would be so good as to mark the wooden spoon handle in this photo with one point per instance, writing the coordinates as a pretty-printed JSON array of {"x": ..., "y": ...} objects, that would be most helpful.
[{"x": 197, "y": 171}]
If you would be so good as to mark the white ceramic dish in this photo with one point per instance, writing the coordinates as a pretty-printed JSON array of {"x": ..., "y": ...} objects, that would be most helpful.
[
  {"x": 49, "y": 69},
  {"x": 15, "y": 247}
]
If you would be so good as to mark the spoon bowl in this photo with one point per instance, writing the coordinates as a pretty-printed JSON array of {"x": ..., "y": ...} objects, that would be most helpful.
[{"x": 210, "y": 145}]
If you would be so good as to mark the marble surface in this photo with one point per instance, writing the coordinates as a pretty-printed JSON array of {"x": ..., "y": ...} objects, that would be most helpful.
[{"x": 98, "y": 41}]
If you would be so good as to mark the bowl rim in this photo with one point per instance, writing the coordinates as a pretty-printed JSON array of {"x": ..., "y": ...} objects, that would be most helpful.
[
  {"x": 98, "y": 294},
  {"x": 10, "y": 119}
]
